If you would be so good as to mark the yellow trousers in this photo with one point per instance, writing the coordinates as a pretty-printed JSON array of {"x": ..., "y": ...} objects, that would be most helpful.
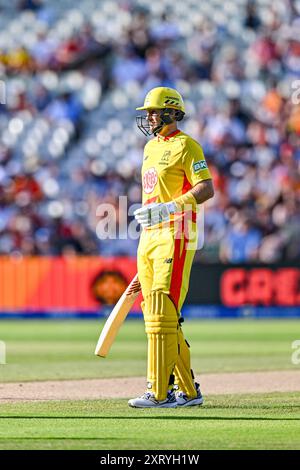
[{"x": 164, "y": 266}]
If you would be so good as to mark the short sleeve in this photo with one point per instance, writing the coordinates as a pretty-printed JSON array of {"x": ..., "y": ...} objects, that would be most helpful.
[{"x": 194, "y": 162}]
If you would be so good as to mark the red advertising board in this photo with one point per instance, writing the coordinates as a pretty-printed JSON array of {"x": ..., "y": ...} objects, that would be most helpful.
[{"x": 65, "y": 284}]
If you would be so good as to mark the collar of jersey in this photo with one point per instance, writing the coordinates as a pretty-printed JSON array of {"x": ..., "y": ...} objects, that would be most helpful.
[{"x": 168, "y": 137}]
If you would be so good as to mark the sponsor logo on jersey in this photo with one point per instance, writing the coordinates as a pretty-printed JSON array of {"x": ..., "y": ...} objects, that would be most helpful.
[
  {"x": 150, "y": 179},
  {"x": 201, "y": 165},
  {"x": 165, "y": 158},
  {"x": 146, "y": 157},
  {"x": 168, "y": 260}
]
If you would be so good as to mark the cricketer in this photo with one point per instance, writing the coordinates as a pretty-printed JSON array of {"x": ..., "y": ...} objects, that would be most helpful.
[{"x": 175, "y": 179}]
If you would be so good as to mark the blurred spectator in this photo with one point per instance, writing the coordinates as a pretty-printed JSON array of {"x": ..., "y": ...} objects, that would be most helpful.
[
  {"x": 43, "y": 50},
  {"x": 33, "y": 5},
  {"x": 128, "y": 66},
  {"x": 138, "y": 35},
  {"x": 66, "y": 106},
  {"x": 165, "y": 30},
  {"x": 252, "y": 19},
  {"x": 241, "y": 243}
]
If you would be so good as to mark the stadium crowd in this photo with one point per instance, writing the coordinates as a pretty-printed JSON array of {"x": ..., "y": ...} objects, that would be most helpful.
[{"x": 71, "y": 78}]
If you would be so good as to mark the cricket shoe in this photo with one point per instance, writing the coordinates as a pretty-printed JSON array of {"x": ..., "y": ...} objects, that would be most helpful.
[
  {"x": 183, "y": 400},
  {"x": 148, "y": 400}
]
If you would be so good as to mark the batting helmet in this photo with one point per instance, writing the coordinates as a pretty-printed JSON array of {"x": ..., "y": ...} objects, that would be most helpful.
[{"x": 166, "y": 100}]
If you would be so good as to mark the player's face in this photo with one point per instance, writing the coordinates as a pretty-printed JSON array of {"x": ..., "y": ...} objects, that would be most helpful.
[{"x": 153, "y": 117}]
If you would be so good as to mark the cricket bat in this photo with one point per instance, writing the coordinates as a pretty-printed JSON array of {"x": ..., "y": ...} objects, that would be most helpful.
[{"x": 117, "y": 317}]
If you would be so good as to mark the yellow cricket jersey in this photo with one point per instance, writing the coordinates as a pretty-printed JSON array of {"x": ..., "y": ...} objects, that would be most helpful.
[{"x": 172, "y": 165}]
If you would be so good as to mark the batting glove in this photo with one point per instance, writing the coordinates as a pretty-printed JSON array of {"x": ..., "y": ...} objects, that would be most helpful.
[{"x": 153, "y": 214}]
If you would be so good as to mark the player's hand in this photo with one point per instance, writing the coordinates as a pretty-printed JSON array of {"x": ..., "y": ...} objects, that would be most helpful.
[
  {"x": 152, "y": 214},
  {"x": 135, "y": 287}
]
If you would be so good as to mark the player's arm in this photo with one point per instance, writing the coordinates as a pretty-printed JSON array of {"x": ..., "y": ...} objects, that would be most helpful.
[
  {"x": 203, "y": 191},
  {"x": 198, "y": 175}
]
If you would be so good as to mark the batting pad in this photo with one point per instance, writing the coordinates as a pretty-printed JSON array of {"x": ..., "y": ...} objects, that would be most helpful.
[
  {"x": 161, "y": 323},
  {"x": 183, "y": 374}
]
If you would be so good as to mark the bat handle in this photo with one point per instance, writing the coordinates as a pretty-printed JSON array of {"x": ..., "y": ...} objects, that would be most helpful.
[{"x": 134, "y": 286}]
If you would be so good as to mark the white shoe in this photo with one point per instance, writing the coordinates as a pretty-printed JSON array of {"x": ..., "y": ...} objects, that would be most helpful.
[
  {"x": 183, "y": 400},
  {"x": 148, "y": 400}
]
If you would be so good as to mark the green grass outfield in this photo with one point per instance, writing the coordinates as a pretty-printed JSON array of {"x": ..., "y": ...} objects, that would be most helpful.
[
  {"x": 42, "y": 350},
  {"x": 225, "y": 422}
]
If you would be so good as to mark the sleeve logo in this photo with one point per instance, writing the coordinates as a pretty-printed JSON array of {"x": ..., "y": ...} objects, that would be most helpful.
[
  {"x": 150, "y": 179},
  {"x": 201, "y": 165}
]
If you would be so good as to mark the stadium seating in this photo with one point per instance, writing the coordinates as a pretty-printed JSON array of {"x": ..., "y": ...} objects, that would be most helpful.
[{"x": 72, "y": 77}]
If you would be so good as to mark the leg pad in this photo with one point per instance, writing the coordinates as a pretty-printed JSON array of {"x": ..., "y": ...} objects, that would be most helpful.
[{"x": 161, "y": 324}]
